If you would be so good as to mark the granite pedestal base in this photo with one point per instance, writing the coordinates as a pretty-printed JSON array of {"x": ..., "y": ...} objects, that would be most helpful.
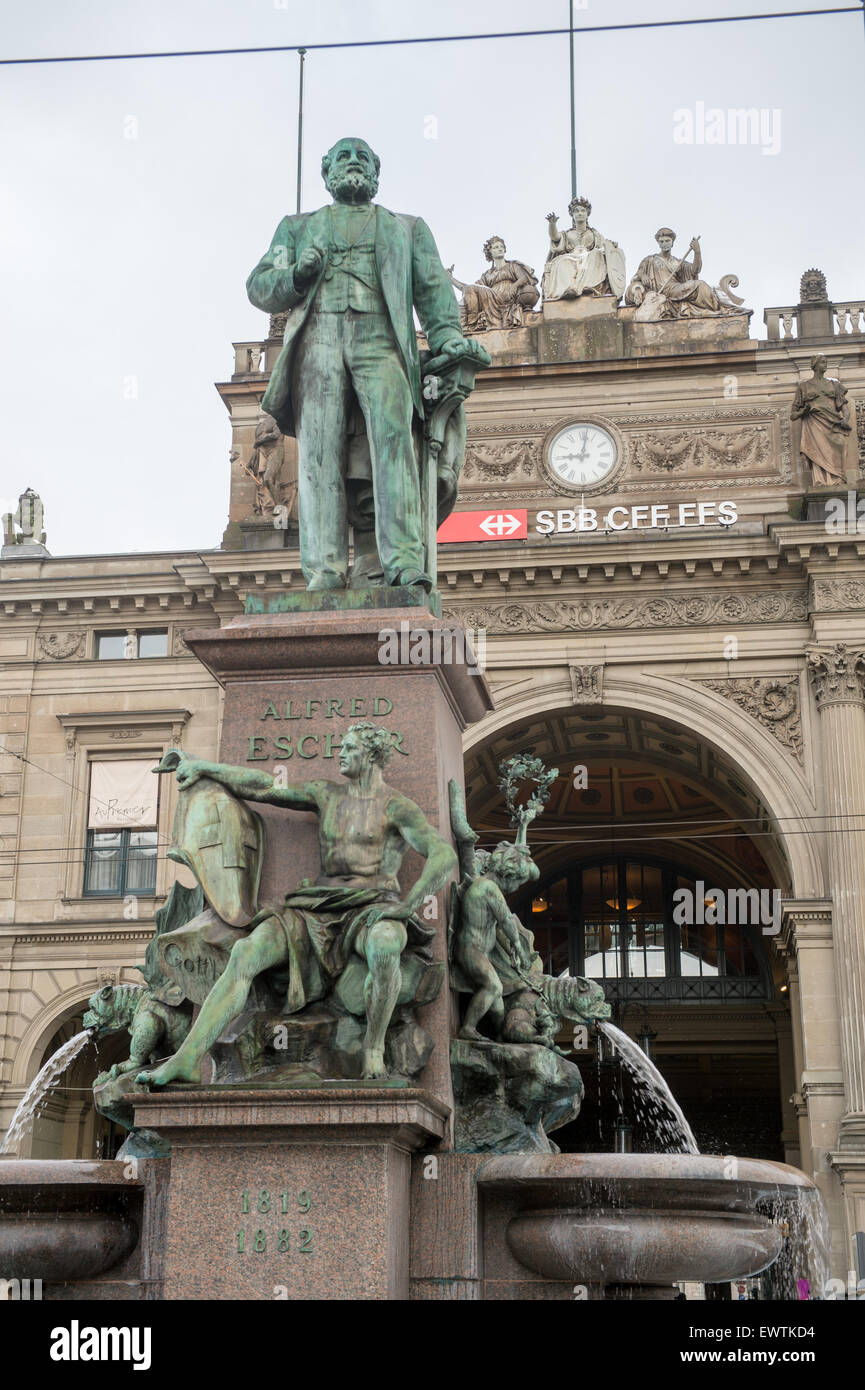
[
  {"x": 295, "y": 682},
  {"x": 290, "y": 1194}
]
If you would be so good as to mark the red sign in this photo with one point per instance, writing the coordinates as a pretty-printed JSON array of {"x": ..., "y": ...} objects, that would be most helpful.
[{"x": 484, "y": 526}]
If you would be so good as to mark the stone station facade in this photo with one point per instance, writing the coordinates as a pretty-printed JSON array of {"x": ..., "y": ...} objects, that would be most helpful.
[{"x": 708, "y": 678}]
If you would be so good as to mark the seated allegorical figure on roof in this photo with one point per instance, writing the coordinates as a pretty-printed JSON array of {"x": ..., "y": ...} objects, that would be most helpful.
[
  {"x": 664, "y": 287},
  {"x": 499, "y": 297},
  {"x": 580, "y": 260}
]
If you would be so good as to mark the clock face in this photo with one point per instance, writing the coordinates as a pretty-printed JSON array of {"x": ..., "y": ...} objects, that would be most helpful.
[{"x": 583, "y": 455}]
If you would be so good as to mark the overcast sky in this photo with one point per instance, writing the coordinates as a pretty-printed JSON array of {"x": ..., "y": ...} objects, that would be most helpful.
[{"x": 137, "y": 196}]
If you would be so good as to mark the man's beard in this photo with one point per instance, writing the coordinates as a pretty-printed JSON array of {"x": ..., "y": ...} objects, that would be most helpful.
[{"x": 352, "y": 186}]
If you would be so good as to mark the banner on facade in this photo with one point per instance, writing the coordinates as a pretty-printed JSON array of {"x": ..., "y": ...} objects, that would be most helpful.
[{"x": 123, "y": 794}]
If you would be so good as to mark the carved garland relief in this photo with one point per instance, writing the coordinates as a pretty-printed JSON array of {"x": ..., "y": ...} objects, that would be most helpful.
[
  {"x": 748, "y": 444},
  {"x": 686, "y": 610},
  {"x": 60, "y": 646}
]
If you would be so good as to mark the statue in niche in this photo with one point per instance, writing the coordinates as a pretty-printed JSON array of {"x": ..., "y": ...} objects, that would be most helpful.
[
  {"x": 500, "y": 298},
  {"x": 350, "y": 385},
  {"x": 265, "y": 467},
  {"x": 821, "y": 404},
  {"x": 346, "y": 948},
  {"x": 513, "y": 1084},
  {"x": 580, "y": 260},
  {"x": 666, "y": 288}
]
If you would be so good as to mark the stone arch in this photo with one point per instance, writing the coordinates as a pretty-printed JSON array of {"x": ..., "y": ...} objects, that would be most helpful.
[
  {"x": 759, "y": 760},
  {"x": 42, "y": 1027}
]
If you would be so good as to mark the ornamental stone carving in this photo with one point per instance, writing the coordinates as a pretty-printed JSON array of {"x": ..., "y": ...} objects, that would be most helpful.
[
  {"x": 812, "y": 288},
  {"x": 837, "y": 674},
  {"x": 178, "y": 646},
  {"x": 721, "y": 451},
  {"x": 836, "y": 595},
  {"x": 587, "y": 684},
  {"x": 704, "y": 608},
  {"x": 772, "y": 701},
  {"x": 61, "y": 646},
  {"x": 497, "y": 461}
]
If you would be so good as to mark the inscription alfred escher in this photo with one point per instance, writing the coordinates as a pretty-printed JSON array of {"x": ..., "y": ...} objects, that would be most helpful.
[{"x": 277, "y": 747}]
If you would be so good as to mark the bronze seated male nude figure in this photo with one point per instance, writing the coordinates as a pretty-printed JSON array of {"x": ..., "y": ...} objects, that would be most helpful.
[{"x": 354, "y": 909}]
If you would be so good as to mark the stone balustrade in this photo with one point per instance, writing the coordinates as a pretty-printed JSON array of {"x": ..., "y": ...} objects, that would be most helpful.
[
  {"x": 256, "y": 359},
  {"x": 816, "y": 320}
]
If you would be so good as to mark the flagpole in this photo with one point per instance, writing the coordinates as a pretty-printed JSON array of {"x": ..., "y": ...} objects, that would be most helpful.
[
  {"x": 573, "y": 117},
  {"x": 302, "y": 55}
]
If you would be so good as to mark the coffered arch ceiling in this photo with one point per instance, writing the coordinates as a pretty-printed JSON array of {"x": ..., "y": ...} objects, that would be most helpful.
[{"x": 652, "y": 788}]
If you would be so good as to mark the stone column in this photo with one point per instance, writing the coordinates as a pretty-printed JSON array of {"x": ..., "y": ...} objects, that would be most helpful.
[
  {"x": 838, "y": 678},
  {"x": 806, "y": 940}
]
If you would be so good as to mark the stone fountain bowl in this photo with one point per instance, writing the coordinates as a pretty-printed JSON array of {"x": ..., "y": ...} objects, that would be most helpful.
[
  {"x": 65, "y": 1219},
  {"x": 646, "y": 1220}
]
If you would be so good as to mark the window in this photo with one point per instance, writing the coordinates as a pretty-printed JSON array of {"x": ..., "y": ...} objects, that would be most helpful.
[
  {"x": 612, "y": 921},
  {"x": 114, "y": 646},
  {"x": 121, "y": 828},
  {"x": 120, "y": 862}
]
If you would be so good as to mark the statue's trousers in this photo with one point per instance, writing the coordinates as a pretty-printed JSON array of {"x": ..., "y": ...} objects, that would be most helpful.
[{"x": 340, "y": 355}]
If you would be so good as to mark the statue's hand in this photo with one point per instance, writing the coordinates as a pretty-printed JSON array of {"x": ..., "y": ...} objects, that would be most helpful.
[
  {"x": 694, "y": 244},
  {"x": 464, "y": 347},
  {"x": 309, "y": 265},
  {"x": 392, "y": 912},
  {"x": 189, "y": 770},
  {"x": 638, "y": 294},
  {"x": 552, "y": 216}
]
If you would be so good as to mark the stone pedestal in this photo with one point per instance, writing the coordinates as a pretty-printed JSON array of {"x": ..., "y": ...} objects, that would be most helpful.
[
  {"x": 585, "y": 306},
  {"x": 295, "y": 682},
  {"x": 290, "y": 1194}
]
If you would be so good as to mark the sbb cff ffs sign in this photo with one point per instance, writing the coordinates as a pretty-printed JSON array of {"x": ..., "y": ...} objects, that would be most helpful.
[{"x": 484, "y": 526}]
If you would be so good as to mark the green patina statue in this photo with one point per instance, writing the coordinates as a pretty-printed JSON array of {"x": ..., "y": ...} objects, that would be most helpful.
[
  {"x": 512, "y": 1082},
  {"x": 154, "y": 1027},
  {"x": 353, "y": 914},
  {"x": 157, "y": 1014},
  {"x": 348, "y": 382}
]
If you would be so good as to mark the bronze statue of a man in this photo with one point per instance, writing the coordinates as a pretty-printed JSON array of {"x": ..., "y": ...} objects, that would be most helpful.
[
  {"x": 354, "y": 908},
  {"x": 347, "y": 383}
]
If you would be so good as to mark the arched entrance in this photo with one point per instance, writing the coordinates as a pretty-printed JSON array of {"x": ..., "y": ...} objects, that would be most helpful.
[
  {"x": 67, "y": 1125},
  {"x": 662, "y": 869}
]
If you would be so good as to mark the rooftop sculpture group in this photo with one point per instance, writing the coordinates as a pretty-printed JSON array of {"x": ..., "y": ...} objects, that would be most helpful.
[{"x": 581, "y": 261}]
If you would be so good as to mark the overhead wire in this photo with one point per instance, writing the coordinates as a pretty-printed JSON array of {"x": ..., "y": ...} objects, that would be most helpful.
[{"x": 336, "y": 44}]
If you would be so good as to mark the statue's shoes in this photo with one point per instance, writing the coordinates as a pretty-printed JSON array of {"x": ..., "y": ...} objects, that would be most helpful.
[
  {"x": 408, "y": 579},
  {"x": 326, "y": 581}
]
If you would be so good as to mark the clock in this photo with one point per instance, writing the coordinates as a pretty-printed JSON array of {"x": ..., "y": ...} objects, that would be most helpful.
[{"x": 582, "y": 455}]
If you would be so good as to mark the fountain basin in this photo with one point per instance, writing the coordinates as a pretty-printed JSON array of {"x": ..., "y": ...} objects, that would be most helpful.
[
  {"x": 642, "y": 1220},
  {"x": 65, "y": 1220}
]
